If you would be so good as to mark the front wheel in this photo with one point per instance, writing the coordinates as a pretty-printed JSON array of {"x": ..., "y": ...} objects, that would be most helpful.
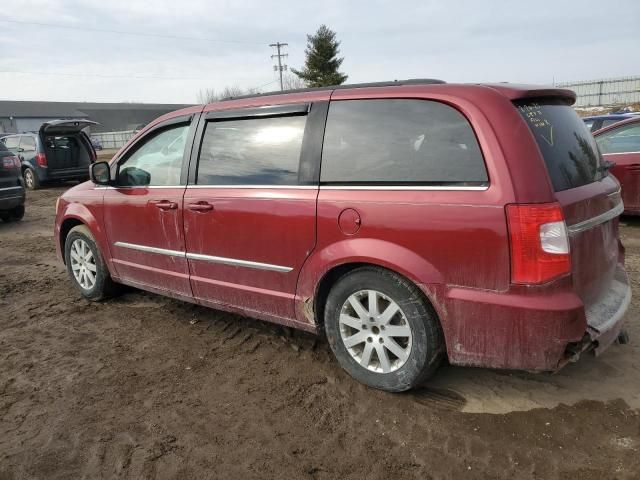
[
  {"x": 382, "y": 331},
  {"x": 85, "y": 265}
]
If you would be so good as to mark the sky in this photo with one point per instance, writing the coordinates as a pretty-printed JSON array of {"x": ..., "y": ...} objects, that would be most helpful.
[{"x": 166, "y": 51}]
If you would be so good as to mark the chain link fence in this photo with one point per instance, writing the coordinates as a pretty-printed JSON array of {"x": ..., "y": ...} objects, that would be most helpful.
[
  {"x": 112, "y": 140},
  {"x": 605, "y": 92}
]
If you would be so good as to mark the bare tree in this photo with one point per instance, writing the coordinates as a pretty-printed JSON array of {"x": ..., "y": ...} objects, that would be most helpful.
[
  {"x": 210, "y": 95},
  {"x": 292, "y": 82}
]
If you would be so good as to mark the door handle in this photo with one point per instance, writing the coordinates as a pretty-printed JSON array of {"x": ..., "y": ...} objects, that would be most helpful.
[
  {"x": 165, "y": 204},
  {"x": 200, "y": 207}
]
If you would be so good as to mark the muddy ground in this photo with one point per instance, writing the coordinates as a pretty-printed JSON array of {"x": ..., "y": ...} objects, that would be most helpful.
[{"x": 147, "y": 387}]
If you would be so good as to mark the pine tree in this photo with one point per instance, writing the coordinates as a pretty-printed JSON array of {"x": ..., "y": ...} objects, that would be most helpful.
[{"x": 322, "y": 62}]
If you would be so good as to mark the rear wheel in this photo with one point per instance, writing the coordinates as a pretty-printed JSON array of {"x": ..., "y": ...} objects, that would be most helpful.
[
  {"x": 382, "y": 331},
  {"x": 85, "y": 265},
  {"x": 31, "y": 179},
  {"x": 17, "y": 213}
]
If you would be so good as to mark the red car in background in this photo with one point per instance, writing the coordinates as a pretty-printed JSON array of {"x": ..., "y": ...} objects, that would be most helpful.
[
  {"x": 620, "y": 144},
  {"x": 409, "y": 221}
]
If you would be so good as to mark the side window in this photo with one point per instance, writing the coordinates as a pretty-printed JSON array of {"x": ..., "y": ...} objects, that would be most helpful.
[
  {"x": 620, "y": 140},
  {"x": 253, "y": 151},
  {"x": 28, "y": 144},
  {"x": 157, "y": 161},
  {"x": 12, "y": 143},
  {"x": 606, "y": 123},
  {"x": 589, "y": 124},
  {"x": 400, "y": 142}
]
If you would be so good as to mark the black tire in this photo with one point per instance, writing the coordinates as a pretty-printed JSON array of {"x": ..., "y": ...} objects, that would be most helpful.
[
  {"x": 103, "y": 287},
  {"x": 5, "y": 216},
  {"x": 17, "y": 213},
  {"x": 426, "y": 346},
  {"x": 31, "y": 180}
]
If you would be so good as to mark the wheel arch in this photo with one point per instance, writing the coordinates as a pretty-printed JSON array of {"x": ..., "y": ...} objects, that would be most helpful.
[
  {"x": 65, "y": 227},
  {"x": 325, "y": 267},
  {"x": 78, "y": 214}
]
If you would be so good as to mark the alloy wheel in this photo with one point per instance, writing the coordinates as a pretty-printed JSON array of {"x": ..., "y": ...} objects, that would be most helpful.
[
  {"x": 28, "y": 178},
  {"x": 375, "y": 331},
  {"x": 83, "y": 264}
]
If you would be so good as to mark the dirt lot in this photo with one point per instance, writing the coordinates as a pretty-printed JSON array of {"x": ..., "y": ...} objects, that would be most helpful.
[{"x": 147, "y": 387}]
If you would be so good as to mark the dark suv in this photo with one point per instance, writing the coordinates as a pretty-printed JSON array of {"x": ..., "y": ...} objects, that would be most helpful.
[
  {"x": 59, "y": 151},
  {"x": 410, "y": 221},
  {"x": 12, "y": 193}
]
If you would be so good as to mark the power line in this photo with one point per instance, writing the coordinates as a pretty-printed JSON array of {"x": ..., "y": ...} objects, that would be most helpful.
[
  {"x": 22, "y": 72},
  {"x": 63, "y": 74},
  {"x": 279, "y": 56},
  {"x": 123, "y": 32}
]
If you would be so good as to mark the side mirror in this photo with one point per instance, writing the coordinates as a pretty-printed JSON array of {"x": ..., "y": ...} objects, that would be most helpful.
[{"x": 100, "y": 173}]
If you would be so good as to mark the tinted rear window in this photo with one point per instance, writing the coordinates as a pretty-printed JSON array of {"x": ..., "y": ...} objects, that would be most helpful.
[
  {"x": 568, "y": 148},
  {"x": 400, "y": 142}
]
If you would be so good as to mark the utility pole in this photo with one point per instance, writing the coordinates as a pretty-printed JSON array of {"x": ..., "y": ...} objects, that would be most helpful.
[{"x": 280, "y": 67}]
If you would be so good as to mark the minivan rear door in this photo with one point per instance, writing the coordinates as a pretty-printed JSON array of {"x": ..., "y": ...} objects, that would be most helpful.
[
  {"x": 590, "y": 199},
  {"x": 67, "y": 147},
  {"x": 250, "y": 206},
  {"x": 65, "y": 127}
]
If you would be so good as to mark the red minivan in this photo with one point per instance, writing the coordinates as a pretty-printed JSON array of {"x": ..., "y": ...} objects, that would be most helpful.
[
  {"x": 409, "y": 221},
  {"x": 620, "y": 144}
]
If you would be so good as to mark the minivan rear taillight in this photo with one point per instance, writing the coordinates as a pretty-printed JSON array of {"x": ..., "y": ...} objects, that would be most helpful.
[
  {"x": 41, "y": 159},
  {"x": 539, "y": 243}
]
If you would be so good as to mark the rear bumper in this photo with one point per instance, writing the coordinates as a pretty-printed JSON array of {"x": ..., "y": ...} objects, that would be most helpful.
[
  {"x": 605, "y": 318},
  {"x": 530, "y": 328},
  {"x": 67, "y": 174},
  {"x": 11, "y": 197}
]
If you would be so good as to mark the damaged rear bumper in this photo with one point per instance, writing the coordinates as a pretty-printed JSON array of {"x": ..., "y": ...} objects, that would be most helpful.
[
  {"x": 605, "y": 319},
  {"x": 531, "y": 328}
]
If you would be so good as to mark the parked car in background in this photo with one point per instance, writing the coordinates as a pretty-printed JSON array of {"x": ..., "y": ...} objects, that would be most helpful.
[
  {"x": 597, "y": 122},
  {"x": 405, "y": 220},
  {"x": 97, "y": 143},
  {"x": 620, "y": 144},
  {"x": 59, "y": 151},
  {"x": 12, "y": 194}
]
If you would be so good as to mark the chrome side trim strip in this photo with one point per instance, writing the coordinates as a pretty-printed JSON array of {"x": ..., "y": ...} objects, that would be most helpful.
[
  {"x": 405, "y": 187},
  {"x": 9, "y": 188},
  {"x": 597, "y": 220},
  {"x": 144, "y": 248},
  {"x": 238, "y": 263},
  {"x": 315, "y": 187},
  {"x": 279, "y": 187},
  {"x": 152, "y": 187},
  {"x": 205, "y": 258}
]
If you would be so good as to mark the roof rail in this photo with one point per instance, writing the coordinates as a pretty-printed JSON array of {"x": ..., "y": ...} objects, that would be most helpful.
[{"x": 394, "y": 83}]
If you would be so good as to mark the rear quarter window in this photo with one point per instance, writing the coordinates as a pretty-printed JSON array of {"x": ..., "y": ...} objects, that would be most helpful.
[
  {"x": 565, "y": 142},
  {"x": 11, "y": 142},
  {"x": 400, "y": 142}
]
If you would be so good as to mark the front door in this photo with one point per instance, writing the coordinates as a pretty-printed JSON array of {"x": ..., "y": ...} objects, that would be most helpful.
[
  {"x": 250, "y": 218},
  {"x": 143, "y": 213}
]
